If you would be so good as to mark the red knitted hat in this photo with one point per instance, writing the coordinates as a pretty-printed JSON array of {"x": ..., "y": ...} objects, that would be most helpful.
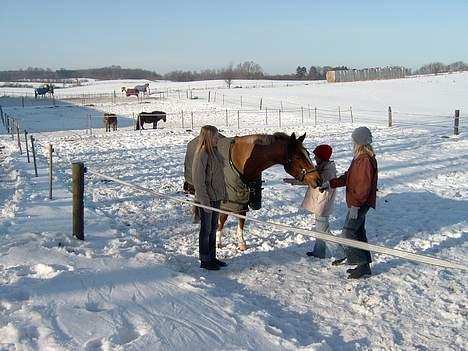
[{"x": 323, "y": 152}]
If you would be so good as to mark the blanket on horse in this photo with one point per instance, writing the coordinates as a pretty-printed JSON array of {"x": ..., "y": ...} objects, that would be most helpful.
[{"x": 240, "y": 192}]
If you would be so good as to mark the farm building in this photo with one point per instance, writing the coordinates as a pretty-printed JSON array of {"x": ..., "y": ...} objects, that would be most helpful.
[{"x": 352, "y": 75}]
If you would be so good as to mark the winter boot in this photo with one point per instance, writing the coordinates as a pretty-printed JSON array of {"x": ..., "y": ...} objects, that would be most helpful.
[{"x": 361, "y": 271}]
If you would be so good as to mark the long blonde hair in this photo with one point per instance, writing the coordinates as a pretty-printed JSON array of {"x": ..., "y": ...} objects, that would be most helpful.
[
  {"x": 206, "y": 138},
  {"x": 363, "y": 149}
]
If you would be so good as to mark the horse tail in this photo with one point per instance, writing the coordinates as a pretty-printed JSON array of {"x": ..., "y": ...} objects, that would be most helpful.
[{"x": 196, "y": 214}]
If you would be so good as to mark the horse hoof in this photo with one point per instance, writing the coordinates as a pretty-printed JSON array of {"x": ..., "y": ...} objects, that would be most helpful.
[{"x": 242, "y": 247}]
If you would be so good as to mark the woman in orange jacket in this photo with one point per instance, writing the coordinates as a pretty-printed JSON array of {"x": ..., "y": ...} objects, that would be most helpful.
[{"x": 361, "y": 187}]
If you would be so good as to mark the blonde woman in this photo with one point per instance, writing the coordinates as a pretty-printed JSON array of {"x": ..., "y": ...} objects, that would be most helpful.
[
  {"x": 208, "y": 181},
  {"x": 361, "y": 189}
]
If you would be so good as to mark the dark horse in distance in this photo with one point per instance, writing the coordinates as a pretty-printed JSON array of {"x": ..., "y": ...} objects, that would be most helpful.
[
  {"x": 245, "y": 158},
  {"x": 150, "y": 117},
  {"x": 47, "y": 89}
]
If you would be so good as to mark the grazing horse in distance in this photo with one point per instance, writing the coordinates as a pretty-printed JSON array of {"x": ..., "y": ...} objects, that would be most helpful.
[
  {"x": 150, "y": 117},
  {"x": 130, "y": 92},
  {"x": 110, "y": 120},
  {"x": 245, "y": 158},
  {"x": 143, "y": 88},
  {"x": 47, "y": 89}
]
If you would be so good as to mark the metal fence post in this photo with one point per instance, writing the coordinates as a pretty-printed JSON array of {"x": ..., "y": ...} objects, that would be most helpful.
[
  {"x": 78, "y": 207},
  {"x": 51, "y": 149},
  {"x": 34, "y": 155},
  {"x": 19, "y": 141},
  {"x": 26, "y": 142}
]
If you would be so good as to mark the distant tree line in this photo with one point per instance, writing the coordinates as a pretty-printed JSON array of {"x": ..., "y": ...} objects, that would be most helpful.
[
  {"x": 437, "y": 67},
  {"x": 245, "y": 70},
  {"x": 105, "y": 73}
]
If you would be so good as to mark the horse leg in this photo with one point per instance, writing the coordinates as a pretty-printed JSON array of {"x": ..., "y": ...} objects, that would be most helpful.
[
  {"x": 219, "y": 231},
  {"x": 240, "y": 233}
]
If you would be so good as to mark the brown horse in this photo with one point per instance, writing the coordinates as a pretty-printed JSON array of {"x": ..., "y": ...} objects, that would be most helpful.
[
  {"x": 250, "y": 155},
  {"x": 110, "y": 120}
]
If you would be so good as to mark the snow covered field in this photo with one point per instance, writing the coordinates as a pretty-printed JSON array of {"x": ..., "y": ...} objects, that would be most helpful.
[{"x": 135, "y": 282}]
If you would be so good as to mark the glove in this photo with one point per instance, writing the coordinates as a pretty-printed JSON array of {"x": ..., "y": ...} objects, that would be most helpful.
[
  {"x": 324, "y": 186},
  {"x": 353, "y": 212}
]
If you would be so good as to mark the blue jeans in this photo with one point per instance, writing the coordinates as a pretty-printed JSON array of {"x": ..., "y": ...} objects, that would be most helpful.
[
  {"x": 355, "y": 229},
  {"x": 322, "y": 248},
  {"x": 207, "y": 236}
]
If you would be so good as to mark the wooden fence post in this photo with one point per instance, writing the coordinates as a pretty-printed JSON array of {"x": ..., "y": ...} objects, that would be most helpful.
[
  {"x": 191, "y": 113},
  {"x": 266, "y": 115},
  {"x": 78, "y": 208},
  {"x": 390, "y": 117},
  {"x": 339, "y": 113},
  {"x": 279, "y": 117},
  {"x": 227, "y": 120},
  {"x": 26, "y": 142},
  {"x": 456, "y": 122},
  {"x": 51, "y": 149},
  {"x": 315, "y": 108},
  {"x": 302, "y": 114},
  {"x": 261, "y": 101},
  {"x": 34, "y": 155},
  {"x": 238, "y": 120},
  {"x": 182, "y": 118},
  {"x": 308, "y": 108},
  {"x": 209, "y": 94},
  {"x": 241, "y": 100},
  {"x": 351, "y": 112}
]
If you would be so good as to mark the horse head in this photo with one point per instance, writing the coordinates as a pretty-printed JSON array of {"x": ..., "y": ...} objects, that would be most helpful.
[
  {"x": 299, "y": 164},
  {"x": 123, "y": 89}
]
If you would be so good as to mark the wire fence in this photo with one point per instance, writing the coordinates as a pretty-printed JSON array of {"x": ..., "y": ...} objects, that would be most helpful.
[{"x": 10, "y": 123}]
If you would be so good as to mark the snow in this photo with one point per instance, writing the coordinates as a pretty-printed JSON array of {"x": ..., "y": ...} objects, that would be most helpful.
[{"x": 135, "y": 282}]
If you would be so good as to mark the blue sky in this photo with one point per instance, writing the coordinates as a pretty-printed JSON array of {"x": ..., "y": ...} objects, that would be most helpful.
[{"x": 199, "y": 34}]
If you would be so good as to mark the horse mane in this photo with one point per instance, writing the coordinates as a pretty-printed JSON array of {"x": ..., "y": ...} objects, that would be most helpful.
[{"x": 263, "y": 139}]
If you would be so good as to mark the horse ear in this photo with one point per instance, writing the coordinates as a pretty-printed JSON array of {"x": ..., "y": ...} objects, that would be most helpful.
[
  {"x": 293, "y": 137},
  {"x": 301, "y": 138}
]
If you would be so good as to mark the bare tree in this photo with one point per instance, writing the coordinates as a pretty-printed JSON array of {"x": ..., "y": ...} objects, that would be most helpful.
[
  {"x": 228, "y": 75},
  {"x": 249, "y": 70}
]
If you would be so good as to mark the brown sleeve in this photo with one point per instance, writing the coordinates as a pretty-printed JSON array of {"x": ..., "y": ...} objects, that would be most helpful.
[
  {"x": 360, "y": 182},
  {"x": 339, "y": 182}
]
